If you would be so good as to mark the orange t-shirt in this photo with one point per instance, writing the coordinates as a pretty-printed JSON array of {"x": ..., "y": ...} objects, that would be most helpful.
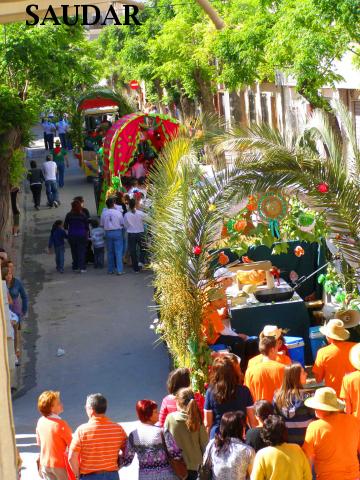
[
  {"x": 263, "y": 379},
  {"x": 280, "y": 358},
  {"x": 332, "y": 364},
  {"x": 53, "y": 436},
  {"x": 98, "y": 443},
  {"x": 212, "y": 325},
  {"x": 350, "y": 391},
  {"x": 334, "y": 443}
]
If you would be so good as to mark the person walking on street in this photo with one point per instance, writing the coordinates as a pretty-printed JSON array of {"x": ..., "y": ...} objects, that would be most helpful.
[
  {"x": 98, "y": 242},
  {"x": 53, "y": 437},
  {"x": 49, "y": 169},
  {"x": 49, "y": 132},
  {"x": 112, "y": 221},
  {"x": 62, "y": 127},
  {"x": 36, "y": 178},
  {"x": 77, "y": 227},
  {"x": 134, "y": 224},
  {"x": 60, "y": 158},
  {"x": 57, "y": 240},
  {"x": 350, "y": 388},
  {"x": 96, "y": 445}
]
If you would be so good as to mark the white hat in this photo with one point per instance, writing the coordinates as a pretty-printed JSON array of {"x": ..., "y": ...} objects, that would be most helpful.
[
  {"x": 271, "y": 331},
  {"x": 335, "y": 329},
  {"x": 325, "y": 399},
  {"x": 223, "y": 272},
  {"x": 350, "y": 318}
]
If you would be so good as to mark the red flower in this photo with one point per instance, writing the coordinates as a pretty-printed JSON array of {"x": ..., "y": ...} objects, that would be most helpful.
[
  {"x": 197, "y": 250},
  {"x": 299, "y": 251},
  {"x": 323, "y": 187}
]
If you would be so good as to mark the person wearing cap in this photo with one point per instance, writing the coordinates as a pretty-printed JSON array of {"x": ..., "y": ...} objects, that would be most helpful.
[
  {"x": 264, "y": 378},
  {"x": 332, "y": 362},
  {"x": 332, "y": 443},
  {"x": 281, "y": 356},
  {"x": 350, "y": 388},
  {"x": 49, "y": 131},
  {"x": 60, "y": 158}
]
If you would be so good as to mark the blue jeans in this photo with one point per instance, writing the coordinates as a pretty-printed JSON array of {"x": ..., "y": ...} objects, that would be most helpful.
[
  {"x": 63, "y": 139},
  {"x": 101, "y": 476},
  {"x": 114, "y": 244},
  {"x": 60, "y": 174},
  {"x": 59, "y": 257},
  {"x": 51, "y": 191},
  {"x": 99, "y": 257}
]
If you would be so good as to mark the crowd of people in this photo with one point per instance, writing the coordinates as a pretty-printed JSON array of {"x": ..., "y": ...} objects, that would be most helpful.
[{"x": 265, "y": 425}]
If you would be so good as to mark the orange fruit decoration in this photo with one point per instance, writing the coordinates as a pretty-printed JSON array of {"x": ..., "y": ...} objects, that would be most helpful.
[
  {"x": 224, "y": 232},
  {"x": 240, "y": 225},
  {"x": 223, "y": 258},
  {"x": 299, "y": 251}
]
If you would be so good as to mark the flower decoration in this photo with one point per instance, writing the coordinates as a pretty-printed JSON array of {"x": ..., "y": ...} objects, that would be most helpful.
[
  {"x": 299, "y": 251},
  {"x": 224, "y": 232},
  {"x": 246, "y": 259},
  {"x": 212, "y": 207},
  {"x": 240, "y": 225},
  {"x": 323, "y": 187},
  {"x": 223, "y": 258},
  {"x": 197, "y": 250}
]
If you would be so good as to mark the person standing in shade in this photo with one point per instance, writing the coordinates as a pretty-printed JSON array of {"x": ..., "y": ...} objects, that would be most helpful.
[
  {"x": 57, "y": 240},
  {"x": 112, "y": 220},
  {"x": 62, "y": 128},
  {"x": 332, "y": 443},
  {"x": 96, "y": 445},
  {"x": 49, "y": 169},
  {"x": 98, "y": 242},
  {"x": 36, "y": 178},
  {"x": 332, "y": 362},
  {"x": 49, "y": 132},
  {"x": 60, "y": 158},
  {"x": 253, "y": 436},
  {"x": 279, "y": 460},
  {"x": 350, "y": 388},
  {"x": 134, "y": 224},
  {"x": 53, "y": 437},
  {"x": 77, "y": 227}
]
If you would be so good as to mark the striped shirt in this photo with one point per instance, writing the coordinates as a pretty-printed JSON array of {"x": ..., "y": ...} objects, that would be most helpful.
[{"x": 98, "y": 443}]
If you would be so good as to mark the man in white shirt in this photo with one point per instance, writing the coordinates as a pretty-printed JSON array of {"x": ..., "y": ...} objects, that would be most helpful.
[
  {"x": 49, "y": 131},
  {"x": 112, "y": 221},
  {"x": 62, "y": 128},
  {"x": 49, "y": 169},
  {"x": 134, "y": 224}
]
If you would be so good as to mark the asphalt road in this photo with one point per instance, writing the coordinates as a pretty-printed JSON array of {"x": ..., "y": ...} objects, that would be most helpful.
[{"x": 101, "y": 322}]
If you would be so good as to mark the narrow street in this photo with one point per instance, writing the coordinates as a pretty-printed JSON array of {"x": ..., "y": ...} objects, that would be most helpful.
[{"x": 101, "y": 322}]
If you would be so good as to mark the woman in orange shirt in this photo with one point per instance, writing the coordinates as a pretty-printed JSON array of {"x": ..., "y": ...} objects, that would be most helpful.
[{"x": 53, "y": 436}]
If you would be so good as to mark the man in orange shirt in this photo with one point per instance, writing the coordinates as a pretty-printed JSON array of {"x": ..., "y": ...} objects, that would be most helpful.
[
  {"x": 53, "y": 436},
  {"x": 332, "y": 442},
  {"x": 350, "y": 389},
  {"x": 267, "y": 376},
  {"x": 332, "y": 362},
  {"x": 95, "y": 447},
  {"x": 281, "y": 357}
]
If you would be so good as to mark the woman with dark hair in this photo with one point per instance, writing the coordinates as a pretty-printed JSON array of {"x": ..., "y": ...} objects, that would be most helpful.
[
  {"x": 227, "y": 455},
  {"x": 36, "y": 178},
  {"x": 279, "y": 460},
  {"x": 186, "y": 426},
  {"x": 179, "y": 378},
  {"x": 289, "y": 403},
  {"x": 153, "y": 447},
  {"x": 77, "y": 226},
  {"x": 262, "y": 410},
  {"x": 225, "y": 395}
]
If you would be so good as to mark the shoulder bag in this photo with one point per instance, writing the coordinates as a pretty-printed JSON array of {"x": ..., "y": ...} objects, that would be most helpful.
[
  {"x": 205, "y": 471},
  {"x": 178, "y": 466}
]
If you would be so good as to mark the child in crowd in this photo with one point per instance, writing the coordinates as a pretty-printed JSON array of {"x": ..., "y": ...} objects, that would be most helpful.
[
  {"x": 57, "y": 240},
  {"x": 98, "y": 241}
]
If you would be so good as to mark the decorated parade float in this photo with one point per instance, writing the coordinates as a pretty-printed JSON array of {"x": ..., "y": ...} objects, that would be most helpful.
[{"x": 274, "y": 239}]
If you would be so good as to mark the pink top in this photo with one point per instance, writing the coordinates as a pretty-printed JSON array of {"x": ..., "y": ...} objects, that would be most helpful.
[{"x": 168, "y": 405}]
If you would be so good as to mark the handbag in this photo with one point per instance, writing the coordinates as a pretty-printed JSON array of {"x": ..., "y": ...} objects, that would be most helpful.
[
  {"x": 178, "y": 466},
  {"x": 205, "y": 470}
]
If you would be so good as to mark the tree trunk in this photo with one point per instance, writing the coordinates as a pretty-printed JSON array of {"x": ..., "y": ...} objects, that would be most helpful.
[
  {"x": 187, "y": 107},
  {"x": 9, "y": 142},
  {"x": 206, "y": 96}
]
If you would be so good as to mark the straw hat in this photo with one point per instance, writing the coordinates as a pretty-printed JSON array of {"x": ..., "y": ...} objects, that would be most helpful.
[
  {"x": 354, "y": 356},
  {"x": 351, "y": 318},
  {"x": 325, "y": 399},
  {"x": 57, "y": 142},
  {"x": 335, "y": 329},
  {"x": 271, "y": 331}
]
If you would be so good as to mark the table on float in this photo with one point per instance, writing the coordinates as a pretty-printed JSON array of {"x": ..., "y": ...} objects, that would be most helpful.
[{"x": 293, "y": 315}]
